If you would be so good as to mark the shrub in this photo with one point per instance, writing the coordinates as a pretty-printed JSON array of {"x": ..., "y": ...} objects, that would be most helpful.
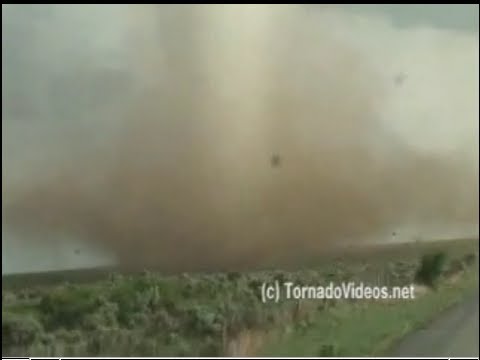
[
  {"x": 67, "y": 308},
  {"x": 469, "y": 259},
  {"x": 125, "y": 296},
  {"x": 455, "y": 267},
  {"x": 328, "y": 350},
  {"x": 431, "y": 268},
  {"x": 204, "y": 320},
  {"x": 8, "y": 298},
  {"x": 19, "y": 330}
]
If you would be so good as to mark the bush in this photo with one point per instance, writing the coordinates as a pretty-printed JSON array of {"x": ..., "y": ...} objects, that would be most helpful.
[
  {"x": 19, "y": 330},
  {"x": 455, "y": 267},
  {"x": 67, "y": 308},
  {"x": 469, "y": 259},
  {"x": 431, "y": 268},
  {"x": 328, "y": 350},
  {"x": 8, "y": 298}
]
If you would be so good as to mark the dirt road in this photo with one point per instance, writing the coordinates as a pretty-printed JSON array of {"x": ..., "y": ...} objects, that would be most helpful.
[{"x": 455, "y": 334}]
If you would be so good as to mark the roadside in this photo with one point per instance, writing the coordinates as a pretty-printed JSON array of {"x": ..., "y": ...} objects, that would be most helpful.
[
  {"x": 336, "y": 332},
  {"x": 454, "y": 334}
]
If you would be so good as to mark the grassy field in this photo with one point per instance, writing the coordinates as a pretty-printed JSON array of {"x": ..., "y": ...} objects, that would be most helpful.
[{"x": 117, "y": 313}]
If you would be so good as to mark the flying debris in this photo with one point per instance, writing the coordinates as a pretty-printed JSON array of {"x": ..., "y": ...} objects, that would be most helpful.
[
  {"x": 275, "y": 160},
  {"x": 400, "y": 79}
]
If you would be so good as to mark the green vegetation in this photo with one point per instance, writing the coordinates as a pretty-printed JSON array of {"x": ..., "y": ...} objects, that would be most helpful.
[
  {"x": 431, "y": 268},
  {"x": 220, "y": 313},
  {"x": 336, "y": 331}
]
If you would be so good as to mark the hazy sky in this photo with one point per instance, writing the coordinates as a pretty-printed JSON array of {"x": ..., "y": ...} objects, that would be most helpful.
[{"x": 453, "y": 16}]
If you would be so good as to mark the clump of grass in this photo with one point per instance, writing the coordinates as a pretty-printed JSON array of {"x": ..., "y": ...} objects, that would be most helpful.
[
  {"x": 328, "y": 350},
  {"x": 431, "y": 268}
]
